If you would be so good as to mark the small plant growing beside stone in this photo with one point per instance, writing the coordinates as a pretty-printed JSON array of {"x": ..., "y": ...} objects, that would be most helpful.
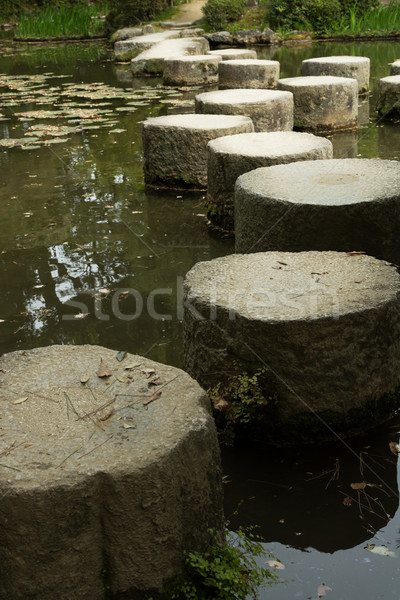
[{"x": 240, "y": 403}]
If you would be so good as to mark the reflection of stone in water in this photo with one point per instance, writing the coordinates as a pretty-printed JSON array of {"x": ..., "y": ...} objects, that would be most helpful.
[
  {"x": 291, "y": 500},
  {"x": 123, "y": 72},
  {"x": 389, "y": 140},
  {"x": 363, "y": 112},
  {"x": 345, "y": 144}
]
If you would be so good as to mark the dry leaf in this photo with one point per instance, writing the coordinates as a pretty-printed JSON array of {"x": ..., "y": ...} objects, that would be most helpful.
[
  {"x": 126, "y": 426},
  {"x": 221, "y": 405},
  {"x": 155, "y": 396},
  {"x": 131, "y": 366},
  {"x": 120, "y": 355},
  {"x": 358, "y": 486},
  {"x": 103, "y": 291},
  {"x": 348, "y": 501},
  {"x": 322, "y": 589},
  {"x": 107, "y": 416},
  {"x": 275, "y": 564},
  {"x": 85, "y": 378},
  {"x": 20, "y": 400},
  {"x": 394, "y": 448},
  {"x": 155, "y": 381},
  {"x": 122, "y": 379},
  {"x": 381, "y": 550},
  {"x": 103, "y": 370},
  {"x": 148, "y": 372},
  {"x": 80, "y": 315}
]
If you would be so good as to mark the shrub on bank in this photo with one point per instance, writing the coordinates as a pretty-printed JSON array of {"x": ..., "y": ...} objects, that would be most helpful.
[
  {"x": 124, "y": 13},
  {"x": 219, "y": 13}
]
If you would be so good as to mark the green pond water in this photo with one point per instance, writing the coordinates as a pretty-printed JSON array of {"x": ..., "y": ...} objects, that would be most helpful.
[{"x": 87, "y": 256}]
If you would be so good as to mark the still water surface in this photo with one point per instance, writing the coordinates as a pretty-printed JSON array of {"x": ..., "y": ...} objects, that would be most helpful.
[{"x": 82, "y": 245}]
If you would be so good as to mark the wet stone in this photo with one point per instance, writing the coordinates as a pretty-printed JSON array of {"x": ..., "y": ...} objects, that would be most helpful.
[
  {"x": 339, "y": 204},
  {"x": 388, "y": 103},
  {"x": 270, "y": 110},
  {"x": 248, "y": 73},
  {"x": 191, "y": 70},
  {"x": 354, "y": 67},
  {"x": 175, "y": 147},
  {"x": 323, "y": 103},
  {"x": 231, "y": 156},
  {"x": 325, "y": 325},
  {"x": 105, "y": 464}
]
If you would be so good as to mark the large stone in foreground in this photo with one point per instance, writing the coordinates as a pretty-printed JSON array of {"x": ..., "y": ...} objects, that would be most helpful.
[
  {"x": 152, "y": 61},
  {"x": 231, "y": 156},
  {"x": 102, "y": 478},
  {"x": 355, "y": 67},
  {"x": 326, "y": 325},
  {"x": 323, "y": 103},
  {"x": 270, "y": 110},
  {"x": 175, "y": 147},
  {"x": 388, "y": 103},
  {"x": 340, "y": 204},
  {"x": 248, "y": 73}
]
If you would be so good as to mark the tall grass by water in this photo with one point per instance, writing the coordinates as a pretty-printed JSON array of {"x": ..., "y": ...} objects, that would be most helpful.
[
  {"x": 381, "y": 20},
  {"x": 64, "y": 21}
]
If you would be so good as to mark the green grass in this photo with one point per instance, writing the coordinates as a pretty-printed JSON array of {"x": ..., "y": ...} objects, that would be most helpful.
[
  {"x": 64, "y": 21},
  {"x": 381, "y": 20}
]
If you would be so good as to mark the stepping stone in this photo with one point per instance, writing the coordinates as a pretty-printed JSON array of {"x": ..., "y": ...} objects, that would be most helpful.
[
  {"x": 191, "y": 70},
  {"x": 233, "y": 53},
  {"x": 232, "y": 155},
  {"x": 389, "y": 96},
  {"x": 129, "y": 48},
  {"x": 175, "y": 147},
  {"x": 325, "y": 325},
  {"x": 152, "y": 61},
  {"x": 355, "y": 67},
  {"x": 248, "y": 73},
  {"x": 270, "y": 110},
  {"x": 344, "y": 205},
  {"x": 323, "y": 103},
  {"x": 116, "y": 473},
  {"x": 395, "y": 68}
]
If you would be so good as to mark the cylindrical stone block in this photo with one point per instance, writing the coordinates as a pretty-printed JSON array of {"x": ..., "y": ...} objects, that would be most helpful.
[
  {"x": 389, "y": 96},
  {"x": 344, "y": 205},
  {"x": 395, "y": 68},
  {"x": 106, "y": 464},
  {"x": 231, "y": 156},
  {"x": 191, "y": 70},
  {"x": 233, "y": 53},
  {"x": 323, "y": 103},
  {"x": 175, "y": 147},
  {"x": 325, "y": 326},
  {"x": 247, "y": 73},
  {"x": 355, "y": 67},
  {"x": 270, "y": 110}
]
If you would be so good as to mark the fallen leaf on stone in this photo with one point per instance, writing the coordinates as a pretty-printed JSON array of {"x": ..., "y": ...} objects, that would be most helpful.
[
  {"x": 358, "y": 486},
  {"x": 131, "y": 366},
  {"x": 381, "y": 550},
  {"x": 322, "y": 589},
  {"x": 126, "y": 426},
  {"x": 275, "y": 564},
  {"x": 148, "y": 372},
  {"x": 103, "y": 370},
  {"x": 107, "y": 416},
  {"x": 20, "y": 400},
  {"x": 348, "y": 501},
  {"x": 221, "y": 405},
  {"x": 155, "y": 396},
  {"x": 121, "y": 355},
  {"x": 355, "y": 253},
  {"x": 155, "y": 381},
  {"x": 85, "y": 378},
  {"x": 394, "y": 448},
  {"x": 122, "y": 379}
]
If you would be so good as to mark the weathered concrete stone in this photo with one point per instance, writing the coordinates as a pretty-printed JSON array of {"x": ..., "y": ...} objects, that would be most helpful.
[
  {"x": 388, "y": 103},
  {"x": 395, "y": 68},
  {"x": 248, "y": 73},
  {"x": 231, "y": 156},
  {"x": 219, "y": 38},
  {"x": 247, "y": 37},
  {"x": 268, "y": 36},
  {"x": 323, "y": 103},
  {"x": 194, "y": 32},
  {"x": 234, "y": 53},
  {"x": 129, "y": 48},
  {"x": 126, "y": 33},
  {"x": 147, "y": 29},
  {"x": 93, "y": 478},
  {"x": 325, "y": 324},
  {"x": 191, "y": 70},
  {"x": 175, "y": 147},
  {"x": 344, "y": 205},
  {"x": 355, "y": 67},
  {"x": 152, "y": 61},
  {"x": 270, "y": 110}
]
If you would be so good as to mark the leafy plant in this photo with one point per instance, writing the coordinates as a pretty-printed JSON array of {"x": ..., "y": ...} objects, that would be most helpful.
[
  {"x": 219, "y": 13},
  {"x": 63, "y": 21},
  {"x": 381, "y": 20},
  {"x": 127, "y": 12}
]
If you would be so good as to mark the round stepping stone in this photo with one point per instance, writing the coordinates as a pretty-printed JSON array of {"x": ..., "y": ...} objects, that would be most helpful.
[
  {"x": 344, "y": 205},
  {"x": 270, "y": 110},
  {"x": 233, "y": 53},
  {"x": 231, "y": 156},
  {"x": 395, "y": 68},
  {"x": 355, "y": 67},
  {"x": 248, "y": 73},
  {"x": 325, "y": 325},
  {"x": 175, "y": 147},
  {"x": 191, "y": 70},
  {"x": 121, "y": 472},
  {"x": 389, "y": 96},
  {"x": 323, "y": 103}
]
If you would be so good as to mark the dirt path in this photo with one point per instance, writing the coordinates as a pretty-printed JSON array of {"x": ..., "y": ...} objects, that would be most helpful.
[{"x": 189, "y": 12}]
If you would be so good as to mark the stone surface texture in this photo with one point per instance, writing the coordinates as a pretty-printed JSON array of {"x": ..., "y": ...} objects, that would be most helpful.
[
  {"x": 395, "y": 68},
  {"x": 126, "y": 33},
  {"x": 234, "y": 53},
  {"x": 340, "y": 204},
  {"x": 248, "y": 73},
  {"x": 388, "y": 103},
  {"x": 152, "y": 61},
  {"x": 219, "y": 37},
  {"x": 191, "y": 70},
  {"x": 231, "y": 156},
  {"x": 175, "y": 147},
  {"x": 355, "y": 67},
  {"x": 323, "y": 103},
  {"x": 248, "y": 37},
  {"x": 126, "y": 488},
  {"x": 325, "y": 324},
  {"x": 129, "y": 48},
  {"x": 270, "y": 110}
]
